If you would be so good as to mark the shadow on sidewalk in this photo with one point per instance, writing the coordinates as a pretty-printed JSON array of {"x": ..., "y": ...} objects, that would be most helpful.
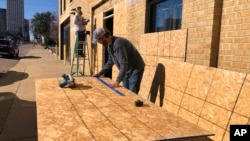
[
  {"x": 11, "y": 122},
  {"x": 12, "y": 76},
  {"x": 30, "y": 57},
  {"x": 1, "y": 74},
  {"x": 6, "y": 99}
]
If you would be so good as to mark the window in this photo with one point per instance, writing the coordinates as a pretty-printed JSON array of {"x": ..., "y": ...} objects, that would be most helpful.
[
  {"x": 64, "y": 5},
  {"x": 164, "y": 15},
  {"x": 61, "y": 4}
]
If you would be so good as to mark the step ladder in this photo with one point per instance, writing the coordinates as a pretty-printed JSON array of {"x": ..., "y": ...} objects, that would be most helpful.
[{"x": 81, "y": 55}]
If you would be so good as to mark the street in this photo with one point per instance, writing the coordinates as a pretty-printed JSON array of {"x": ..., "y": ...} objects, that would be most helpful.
[{"x": 7, "y": 62}]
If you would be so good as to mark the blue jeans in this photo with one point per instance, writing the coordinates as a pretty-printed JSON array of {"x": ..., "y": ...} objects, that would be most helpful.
[{"x": 133, "y": 81}]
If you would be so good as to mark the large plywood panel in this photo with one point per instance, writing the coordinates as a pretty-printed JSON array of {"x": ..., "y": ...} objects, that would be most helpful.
[
  {"x": 93, "y": 111},
  {"x": 178, "y": 43},
  {"x": 188, "y": 115},
  {"x": 143, "y": 44},
  {"x": 219, "y": 132},
  {"x": 161, "y": 43},
  {"x": 167, "y": 42},
  {"x": 225, "y": 88},
  {"x": 152, "y": 44},
  {"x": 196, "y": 105},
  {"x": 216, "y": 114},
  {"x": 200, "y": 81},
  {"x": 120, "y": 18},
  {"x": 147, "y": 81},
  {"x": 177, "y": 73},
  {"x": 243, "y": 103}
]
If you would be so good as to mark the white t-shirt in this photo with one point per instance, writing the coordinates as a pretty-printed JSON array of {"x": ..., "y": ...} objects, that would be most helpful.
[{"x": 78, "y": 22}]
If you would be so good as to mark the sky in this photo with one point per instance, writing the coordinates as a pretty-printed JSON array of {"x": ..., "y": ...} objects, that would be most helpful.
[{"x": 31, "y": 7}]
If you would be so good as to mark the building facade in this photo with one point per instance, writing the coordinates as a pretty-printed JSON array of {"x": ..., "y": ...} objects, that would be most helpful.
[
  {"x": 26, "y": 35},
  {"x": 2, "y": 20},
  {"x": 15, "y": 16},
  {"x": 213, "y": 34},
  {"x": 216, "y": 36}
]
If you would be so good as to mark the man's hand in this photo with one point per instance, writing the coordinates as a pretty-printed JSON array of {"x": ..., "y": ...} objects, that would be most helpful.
[
  {"x": 96, "y": 75},
  {"x": 85, "y": 21},
  {"x": 114, "y": 84}
]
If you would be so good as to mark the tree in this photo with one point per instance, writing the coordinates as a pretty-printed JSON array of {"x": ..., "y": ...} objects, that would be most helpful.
[
  {"x": 40, "y": 25},
  {"x": 54, "y": 31}
]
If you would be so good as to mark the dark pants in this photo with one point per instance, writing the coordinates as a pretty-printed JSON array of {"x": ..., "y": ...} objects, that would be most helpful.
[
  {"x": 81, "y": 37},
  {"x": 133, "y": 81}
]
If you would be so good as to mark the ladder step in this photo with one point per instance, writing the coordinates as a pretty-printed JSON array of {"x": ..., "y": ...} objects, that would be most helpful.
[
  {"x": 82, "y": 42},
  {"x": 78, "y": 62},
  {"x": 86, "y": 56}
]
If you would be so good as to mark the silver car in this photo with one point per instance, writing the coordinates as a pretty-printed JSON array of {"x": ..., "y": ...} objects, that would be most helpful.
[{"x": 9, "y": 47}]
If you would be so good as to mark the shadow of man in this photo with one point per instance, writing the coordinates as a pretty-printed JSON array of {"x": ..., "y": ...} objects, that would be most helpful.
[
  {"x": 12, "y": 76},
  {"x": 17, "y": 118},
  {"x": 158, "y": 84},
  {"x": 30, "y": 57}
]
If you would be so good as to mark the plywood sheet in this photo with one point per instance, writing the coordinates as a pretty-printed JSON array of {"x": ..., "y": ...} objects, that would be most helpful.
[{"x": 92, "y": 111}]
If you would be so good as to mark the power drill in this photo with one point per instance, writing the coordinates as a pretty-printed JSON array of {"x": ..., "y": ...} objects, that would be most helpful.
[{"x": 68, "y": 81}]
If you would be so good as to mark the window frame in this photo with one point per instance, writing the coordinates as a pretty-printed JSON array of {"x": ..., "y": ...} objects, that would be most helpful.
[{"x": 150, "y": 22}]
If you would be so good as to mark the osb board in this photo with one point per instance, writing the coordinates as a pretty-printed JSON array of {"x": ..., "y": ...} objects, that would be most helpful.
[
  {"x": 243, "y": 104},
  {"x": 92, "y": 111},
  {"x": 225, "y": 88},
  {"x": 164, "y": 44}
]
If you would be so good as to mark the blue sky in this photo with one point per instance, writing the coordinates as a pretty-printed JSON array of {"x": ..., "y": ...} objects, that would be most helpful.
[{"x": 31, "y": 7}]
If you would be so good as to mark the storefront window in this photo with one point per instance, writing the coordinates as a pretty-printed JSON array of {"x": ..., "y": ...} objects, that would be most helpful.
[{"x": 164, "y": 15}]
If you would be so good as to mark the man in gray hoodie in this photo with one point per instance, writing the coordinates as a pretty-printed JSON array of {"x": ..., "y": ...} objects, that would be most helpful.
[{"x": 124, "y": 55}]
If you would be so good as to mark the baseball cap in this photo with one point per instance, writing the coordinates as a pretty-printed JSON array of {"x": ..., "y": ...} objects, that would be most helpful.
[
  {"x": 97, "y": 34},
  {"x": 79, "y": 8}
]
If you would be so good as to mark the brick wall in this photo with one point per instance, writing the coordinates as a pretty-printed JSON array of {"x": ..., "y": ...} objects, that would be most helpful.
[
  {"x": 136, "y": 20},
  {"x": 217, "y": 29},
  {"x": 234, "y": 51},
  {"x": 202, "y": 19}
]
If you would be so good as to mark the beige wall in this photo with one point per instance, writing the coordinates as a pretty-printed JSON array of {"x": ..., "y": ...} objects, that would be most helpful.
[
  {"x": 235, "y": 36},
  {"x": 217, "y": 31},
  {"x": 201, "y": 18},
  {"x": 86, "y": 8},
  {"x": 218, "y": 28}
]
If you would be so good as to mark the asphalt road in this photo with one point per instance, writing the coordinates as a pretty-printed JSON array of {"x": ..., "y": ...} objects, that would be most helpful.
[{"x": 6, "y": 62}]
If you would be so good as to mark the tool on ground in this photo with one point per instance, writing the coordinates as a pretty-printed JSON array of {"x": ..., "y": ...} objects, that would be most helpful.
[
  {"x": 81, "y": 55},
  {"x": 68, "y": 81},
  {"x": 138, "y": 103},
  {"x": 106, "y": 84}
]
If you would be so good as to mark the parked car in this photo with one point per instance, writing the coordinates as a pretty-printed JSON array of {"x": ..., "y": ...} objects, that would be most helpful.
[{"x": 9, "y": 47}]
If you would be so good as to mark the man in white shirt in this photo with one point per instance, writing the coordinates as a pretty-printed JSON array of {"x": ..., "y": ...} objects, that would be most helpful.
[{"x": 80, "y": 26}]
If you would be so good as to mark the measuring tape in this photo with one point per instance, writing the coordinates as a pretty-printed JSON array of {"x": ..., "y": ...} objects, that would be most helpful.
[{"x": 115, "y": 90}]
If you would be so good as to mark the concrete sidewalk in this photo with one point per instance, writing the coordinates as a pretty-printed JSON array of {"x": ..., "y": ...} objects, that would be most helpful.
[{"x": 18, "y": 97}]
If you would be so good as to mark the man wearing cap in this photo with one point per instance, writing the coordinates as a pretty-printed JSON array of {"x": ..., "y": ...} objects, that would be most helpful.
[
  {"x": 80, "y": 27},
  {"x": 124, "y": 55}
]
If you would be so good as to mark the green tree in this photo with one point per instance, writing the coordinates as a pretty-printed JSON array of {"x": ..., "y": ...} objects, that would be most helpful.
[{"x": 40, "y": 25}]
